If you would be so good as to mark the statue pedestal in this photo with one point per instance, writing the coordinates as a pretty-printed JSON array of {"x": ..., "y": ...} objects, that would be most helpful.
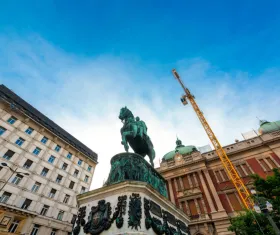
[{"x": 133, "y": 201}]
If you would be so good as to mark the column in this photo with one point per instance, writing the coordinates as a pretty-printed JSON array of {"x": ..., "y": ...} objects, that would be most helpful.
[
  {"x": 190, "y": 181},
  {"x": 176, "y": 184},
  {"x": 171, "y": 191},
  {"x": 197, "y": 206},
  {"x": 195, "y": 180},
  {"x": 214, "y": 191},
  {"x": 181, "y": 182},
  {"x": 207, "y": 194}
]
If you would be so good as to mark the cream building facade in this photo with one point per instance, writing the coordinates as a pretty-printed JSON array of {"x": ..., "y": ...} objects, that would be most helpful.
[{"x": 54, "y": 167}]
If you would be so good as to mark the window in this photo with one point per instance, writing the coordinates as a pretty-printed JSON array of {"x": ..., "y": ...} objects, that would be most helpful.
[
  {"x": 5, "y": 197},
  {"x": 272, "y": 163},
  {"x": 36, "y": 187},
  {"x": 83, "y": 189},
  {"x": 53, "y": 231},
  {"x": 219, "y": 177},
  {"x": 89, "y": 168},
  {"x": 64, "y": 166},
  {"x": 60, "y": 215},
  {"x": 44, "y": 171},
  {"x": 247, "y": 169},
  {"x": 66, "y": 198},
  {"x": 224, "y": 174},
  {"x": 26, "y": 204},
  {"x": 86, "y": 179},
  {"x": 12, "y": 120},
  {"x": 51, "y": 159},
  {"x": 29, "y": 130},
  {"x": 80, "y": 162},
  {"x": 69, "y": 155},
  {"x": 20, "y": 141},
  {"x": 27, "y": 164},
  {"x": 2, "y": 130},
  {"x": 240, "y": 171},
  {"x": 57, "y": 148},
  {"x": 45, "y": 210},
  {"x": 13, "y": 226},
  {"x": 17, "y": 179},
  {"x": 35, "y": 229},
  {"x": 71, "y": 185},
  {"x": 8, "y": 154},
  {"x": 44, "y": 140},
  {"x": 263, "y": 163},
  {"x": 36, "y": 151},
  {"x": 58, "y": 179},
  {"x": 76, "y": 172},
  {"x": 52, "y": 193}
]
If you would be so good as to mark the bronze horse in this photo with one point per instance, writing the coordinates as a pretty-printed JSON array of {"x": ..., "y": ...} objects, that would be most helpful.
[{"x": 134, "y": 132}]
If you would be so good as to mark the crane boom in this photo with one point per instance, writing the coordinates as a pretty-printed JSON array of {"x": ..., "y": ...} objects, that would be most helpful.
[{"x": 234, "y": 176}]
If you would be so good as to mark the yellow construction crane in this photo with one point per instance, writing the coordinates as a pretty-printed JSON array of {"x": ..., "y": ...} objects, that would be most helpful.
[{"x": 235, "y": 178}]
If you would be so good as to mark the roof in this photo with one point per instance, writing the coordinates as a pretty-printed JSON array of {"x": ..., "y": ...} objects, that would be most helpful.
[
  {"x": 266, "y": 127},
  {"x": 180, "y": 148},
  {"x": 18, "y": 103}
]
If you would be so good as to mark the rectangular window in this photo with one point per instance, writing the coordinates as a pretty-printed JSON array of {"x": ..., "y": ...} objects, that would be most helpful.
[
  {"x": 272, "y": 163},
  {"x": 5, "y": 197},
  {"x": 80, "y": 162},
  {"x": 57, "y": 148},
  {"x": 26, "y": 204},
  {"x": 35, "y": 229},
  {"x": 76, "y": 172},
  {"x": 64, "y": 166},
  {"x": 86, "y": 178},
  {"x": 52, "y": 193},
  {"x": 51, "y": 159},
  {"x": 36, "y": 151},
  {"x": 2, "y": 130},
  {"x": 240, "y": 170},
  {"x": 12, "y": 120},
  {"x": 17, "y": 179},
  {"x": 44, "y": 171},
  {"x": 66, "y": 198},
  {"x": 44, "y": 140},
  {"x": 13, "y": 226},
  {"x": 8, "y": 154},
  {"x": 58, "y": 179},
  {"x": 44, "y": 210},
  {"x": 69, "y": 155},
  {"x": 219, "y": 177},
  {"x": 20, "y": 141},
  {"x": 29, "y": 130},
  {"x": 234, "y": 202},
  {"x": 83, "y": 189},
  {"x": 36, "y": 187},
  {"x": 27, "y": 164},
  {"x": 71, "y": 185},
  {"x": 263, "y": 163},
  {"x": 53, "y": 231},
  {"x": 89, "y": 168},
  {"x": 60, "y": 215}
]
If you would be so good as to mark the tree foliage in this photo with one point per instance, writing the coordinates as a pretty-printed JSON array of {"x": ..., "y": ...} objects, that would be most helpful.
[{"x": 267, "y": 190}]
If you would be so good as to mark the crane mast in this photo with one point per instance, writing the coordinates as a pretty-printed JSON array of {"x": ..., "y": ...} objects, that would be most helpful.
[{"x": 234, "y": 176}]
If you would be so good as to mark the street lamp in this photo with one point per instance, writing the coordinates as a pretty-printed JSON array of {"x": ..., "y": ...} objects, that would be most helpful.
[
  {"x": 265, "y": 208},
  {"x": 13, "y": 172}
]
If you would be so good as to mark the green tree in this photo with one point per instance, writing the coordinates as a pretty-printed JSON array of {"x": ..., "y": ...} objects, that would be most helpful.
[{"x": 249, "y": 222}]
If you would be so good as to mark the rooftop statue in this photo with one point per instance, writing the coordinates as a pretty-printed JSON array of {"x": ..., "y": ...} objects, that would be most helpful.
[{"x": 134, "y": 133}]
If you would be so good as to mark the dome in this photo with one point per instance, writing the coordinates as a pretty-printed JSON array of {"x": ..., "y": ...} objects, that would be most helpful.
[
  {"x": 266, "y": 127},
  {"x": 180, "y": 148}
]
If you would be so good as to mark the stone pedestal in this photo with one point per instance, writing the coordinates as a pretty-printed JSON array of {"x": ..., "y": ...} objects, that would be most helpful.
[{"x": 133, "y": 201}]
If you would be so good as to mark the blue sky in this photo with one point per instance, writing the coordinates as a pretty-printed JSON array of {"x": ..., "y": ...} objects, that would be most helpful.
[{"x": 79, "y": 63}]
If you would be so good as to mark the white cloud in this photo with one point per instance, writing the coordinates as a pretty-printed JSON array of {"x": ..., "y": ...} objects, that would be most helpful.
[{"x": 84, "y": 96}]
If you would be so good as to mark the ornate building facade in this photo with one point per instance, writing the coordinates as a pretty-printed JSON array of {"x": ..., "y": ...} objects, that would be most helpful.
[
  {"x": 42, "y": 170},
  {"x": 198, "y": 184}
]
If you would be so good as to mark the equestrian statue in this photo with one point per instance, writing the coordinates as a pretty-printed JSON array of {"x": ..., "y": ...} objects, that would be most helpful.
[{"x": 134, "y": 133}]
